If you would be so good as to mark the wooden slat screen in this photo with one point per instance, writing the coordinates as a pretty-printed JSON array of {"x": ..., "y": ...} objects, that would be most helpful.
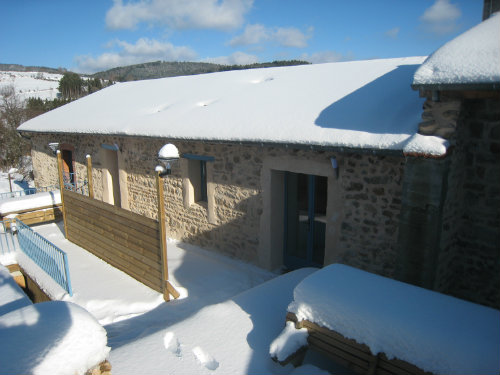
[{"x": 126, "y": 240}]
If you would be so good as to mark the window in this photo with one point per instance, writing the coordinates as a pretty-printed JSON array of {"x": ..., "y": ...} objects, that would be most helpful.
[{"x": 197, "y": 177}]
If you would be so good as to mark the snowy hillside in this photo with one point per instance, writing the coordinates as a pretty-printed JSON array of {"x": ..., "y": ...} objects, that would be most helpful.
[{"x": 32, "y": 84}]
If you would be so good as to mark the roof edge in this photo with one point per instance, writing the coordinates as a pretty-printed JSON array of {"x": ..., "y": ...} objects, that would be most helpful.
[{"x": 300, "y": 146}]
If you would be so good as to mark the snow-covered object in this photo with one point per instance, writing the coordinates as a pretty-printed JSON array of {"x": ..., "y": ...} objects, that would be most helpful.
[
  {"x": 360, "y": 104},
  {"x": 433, "y": 331},
  {"x": 471, "y": 58},
  {"x": 288, "y": 342},
  {"x": 11, "y": 295},
  {"x": 30, "y": 202},
  {"x": 168, "y": 151},
  {"x": 51, "y": 338}
]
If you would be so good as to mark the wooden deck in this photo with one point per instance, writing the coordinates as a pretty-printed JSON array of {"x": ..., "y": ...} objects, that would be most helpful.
[
  {"x": 38, "y": 215},
  {"x": 349, "y": 353}
]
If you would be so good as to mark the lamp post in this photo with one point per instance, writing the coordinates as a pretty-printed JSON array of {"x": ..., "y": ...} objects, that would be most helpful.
[{"x": 167, "y": 156}]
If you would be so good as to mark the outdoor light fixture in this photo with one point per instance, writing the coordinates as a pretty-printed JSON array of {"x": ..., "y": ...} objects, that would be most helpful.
[
  {"x": 335, "y": 166},
  {"x": 54, "y": 146},
  {"x": 167, "y": 156}
]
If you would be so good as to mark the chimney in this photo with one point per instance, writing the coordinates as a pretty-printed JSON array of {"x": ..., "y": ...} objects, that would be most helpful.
[{"x": 490, "y": 7}]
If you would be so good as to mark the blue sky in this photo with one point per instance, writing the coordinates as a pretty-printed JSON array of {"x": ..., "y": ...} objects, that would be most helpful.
[{"x": 93, "y": 35}]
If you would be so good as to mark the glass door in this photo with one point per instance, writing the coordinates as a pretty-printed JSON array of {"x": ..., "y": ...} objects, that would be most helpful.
[{"x": 305, "y": 220}]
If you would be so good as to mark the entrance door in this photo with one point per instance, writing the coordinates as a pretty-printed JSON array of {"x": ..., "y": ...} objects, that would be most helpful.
[
  {"x": 305, "y": 220},
  {"x": 68, "y": 173}
]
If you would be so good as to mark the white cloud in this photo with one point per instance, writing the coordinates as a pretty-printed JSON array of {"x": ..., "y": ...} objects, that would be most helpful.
[
  {"x": 179, "y": 14},
  {"x": 441, "y": 17},
  {"x": 291, "y": 37},
  {"x": 284, "y": 36},
  {"x": 392, "y": 33},
  {"x": 237, "y": 58},
  {"x": 144, "y": 50},
  {"x": 326, "y": 56}
]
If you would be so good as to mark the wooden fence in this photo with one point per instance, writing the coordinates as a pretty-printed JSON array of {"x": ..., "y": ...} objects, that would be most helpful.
[{"x": 127, "y": 241}]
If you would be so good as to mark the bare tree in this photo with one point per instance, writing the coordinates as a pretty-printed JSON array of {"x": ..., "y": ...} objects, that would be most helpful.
[{"x": 12, "y": 114}]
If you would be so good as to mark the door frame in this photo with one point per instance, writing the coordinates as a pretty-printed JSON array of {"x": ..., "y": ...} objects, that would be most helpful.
[{"x": 270, "y": 250}]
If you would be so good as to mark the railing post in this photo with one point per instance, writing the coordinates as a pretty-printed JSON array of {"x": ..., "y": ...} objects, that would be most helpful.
[
  {"x": 61, "y": 189},
  {"x": 89, "y": 176},
  {"x": 166, "y": 286}
]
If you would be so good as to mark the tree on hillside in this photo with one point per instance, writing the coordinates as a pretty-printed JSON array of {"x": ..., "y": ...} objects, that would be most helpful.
[
  {"x": 12, "y": 114},
  {"x": 70, "y": 86}
]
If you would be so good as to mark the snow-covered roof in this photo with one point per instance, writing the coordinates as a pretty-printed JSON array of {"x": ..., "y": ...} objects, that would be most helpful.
[
  {"x": 471, "y": 59},
  {"x": 358, "y": 104}
]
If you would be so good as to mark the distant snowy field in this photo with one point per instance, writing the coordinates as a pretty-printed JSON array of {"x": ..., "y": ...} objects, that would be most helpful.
[{"x": 31, "y": 84}]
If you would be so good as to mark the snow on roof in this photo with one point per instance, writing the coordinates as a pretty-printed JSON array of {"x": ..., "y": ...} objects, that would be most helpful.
[
  {"x": 358, "y": 104},
  {"x": 436, "y": 332},
  {"x": 471, "y": 58}
]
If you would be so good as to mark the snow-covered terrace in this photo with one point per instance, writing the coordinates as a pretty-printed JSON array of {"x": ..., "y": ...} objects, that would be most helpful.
[
  {"x": 365, "y": 105},
  {"x": 225, "y": 320}
]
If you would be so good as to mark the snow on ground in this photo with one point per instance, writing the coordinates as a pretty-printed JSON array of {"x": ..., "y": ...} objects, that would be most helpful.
[
  {"x": 230, "y": 337},
  {"x": 360, "y": 104},
  {"x": 224, "y": 323},
  {"x": 17, "y": 182},
  {"x": 436, "y": 332},
  {"x": 32, "y": 84},
  {"x": 472, "y": 57}
]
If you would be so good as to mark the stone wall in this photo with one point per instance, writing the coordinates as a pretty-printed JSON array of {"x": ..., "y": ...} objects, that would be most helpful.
[
  {"x": 367, "y": 197},
  {"x": 472, "y": 256},
  {"x": 372, "y": 188},
  {"x": 468, "y": 263}
]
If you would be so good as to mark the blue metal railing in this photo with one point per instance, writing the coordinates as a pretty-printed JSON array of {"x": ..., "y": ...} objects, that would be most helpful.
[
  {"x": 44, "y": 253},
  {"x": 75, "y": 185},
  {"x": 8, "y": 244}
]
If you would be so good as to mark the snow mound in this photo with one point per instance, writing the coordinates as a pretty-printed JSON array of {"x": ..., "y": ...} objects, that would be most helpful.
[
  {"x": 433, "y": 331},
  {"x": 55, "y": 337},
  {"x": 30, "y": 202},
  {"x": 288, "y": 342},
  {"x": 472, "y": 57},
  {"x": 11, "y": 295}
]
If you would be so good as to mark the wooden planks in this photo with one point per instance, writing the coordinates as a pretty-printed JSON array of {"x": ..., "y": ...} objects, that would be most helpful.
[
  {"x": 40, "y": 215},
  {"x": 127, "y": 241},
  {"x": 351, "y": 354}
]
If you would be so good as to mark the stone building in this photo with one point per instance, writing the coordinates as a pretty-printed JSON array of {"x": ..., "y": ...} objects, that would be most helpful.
[
  {"x": 282, "y": 167},
  {"x": 461, "y": 84}
]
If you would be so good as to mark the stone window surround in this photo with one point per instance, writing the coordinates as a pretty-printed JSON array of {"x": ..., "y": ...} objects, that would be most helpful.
[
  {"x": 122, "y": 174},
  {"x": 270, "y": 253},
  {"x": 188, "y": 185}
]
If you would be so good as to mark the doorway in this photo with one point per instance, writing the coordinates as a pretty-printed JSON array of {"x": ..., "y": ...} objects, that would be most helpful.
[
  {"x": 111, "y": 177},
  {"x": 305, "y": 202},
  {"x": 68, "y": 171}
]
